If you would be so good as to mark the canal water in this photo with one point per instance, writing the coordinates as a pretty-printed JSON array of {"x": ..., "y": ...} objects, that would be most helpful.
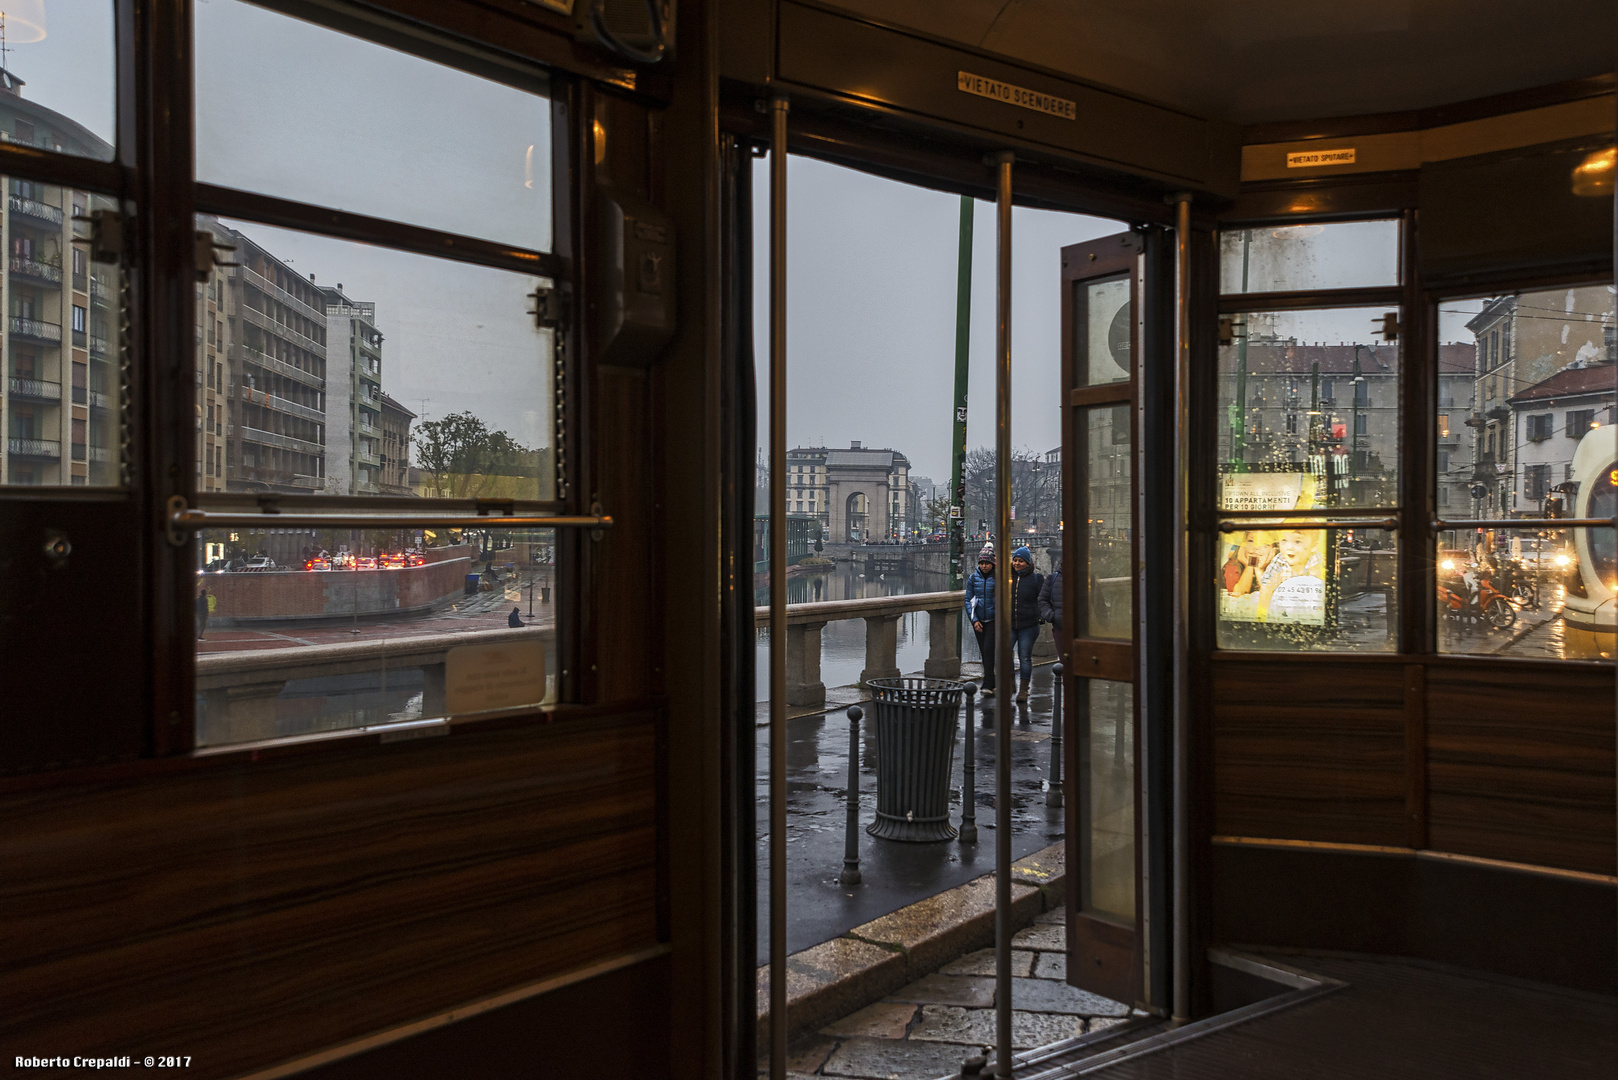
[{"x": 842, "y": 644}]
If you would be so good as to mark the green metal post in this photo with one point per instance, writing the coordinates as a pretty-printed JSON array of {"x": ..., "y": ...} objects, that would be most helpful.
[{"x": 963, "y": 326}]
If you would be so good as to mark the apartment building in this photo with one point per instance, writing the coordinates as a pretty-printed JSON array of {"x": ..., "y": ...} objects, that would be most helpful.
[
  {"x": 353, "y": 395},
  {"x": 59, "y": 401},
  {"x": 395, "y": 448}
]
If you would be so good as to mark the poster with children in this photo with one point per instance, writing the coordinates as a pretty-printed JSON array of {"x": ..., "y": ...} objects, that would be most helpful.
[{"x": 1272, "y": 576}]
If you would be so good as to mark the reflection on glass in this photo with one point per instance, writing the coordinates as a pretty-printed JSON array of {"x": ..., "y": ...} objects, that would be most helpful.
[
  {"x": 1108, "y": 328},
  {"x": 1288, "y": 258},
  {"x": 325, "y": 118},
  {"x": 1524, "y": 429},
  {"x": 301, "y": 631},
  {"x": 1296, "y": 589},
  {"x": 1109, "y": 529},
  {"x": 1107, "y": 799},
  {"x": 62, "y": 395},
  {"x": 56, "y": 77},
  {"x": 330, "y": 367},
  {"x": 1311, "y": 397}
]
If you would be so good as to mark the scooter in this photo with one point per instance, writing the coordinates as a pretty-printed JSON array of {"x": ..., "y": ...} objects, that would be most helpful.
[{"x": 1492, "y": 606}]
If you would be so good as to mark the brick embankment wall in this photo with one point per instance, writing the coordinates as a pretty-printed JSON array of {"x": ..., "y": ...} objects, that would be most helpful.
[{"x": 301, "y": 594}]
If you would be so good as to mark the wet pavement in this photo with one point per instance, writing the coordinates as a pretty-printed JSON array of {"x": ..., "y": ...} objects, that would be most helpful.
[{"x": 893, "y": 874}]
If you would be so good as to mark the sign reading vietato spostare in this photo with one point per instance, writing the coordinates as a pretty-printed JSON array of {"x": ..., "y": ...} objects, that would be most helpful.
[
  {"x": 1314, "y": 159},
  {"x": 1020, "y": 96}
]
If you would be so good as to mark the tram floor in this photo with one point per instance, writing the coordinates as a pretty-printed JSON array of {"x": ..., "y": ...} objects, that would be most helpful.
[{"x": 893, "y": 874}]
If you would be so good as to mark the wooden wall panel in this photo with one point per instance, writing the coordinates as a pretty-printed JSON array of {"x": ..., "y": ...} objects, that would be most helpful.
[
  {"x": 249, "y": 911},
  {"x": 1520, "y": 764},
  {"x": 1309, "y": 750}
]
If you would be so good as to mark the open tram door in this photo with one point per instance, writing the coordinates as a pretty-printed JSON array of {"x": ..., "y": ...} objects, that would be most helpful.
[{"x": 1115, "y": 438}]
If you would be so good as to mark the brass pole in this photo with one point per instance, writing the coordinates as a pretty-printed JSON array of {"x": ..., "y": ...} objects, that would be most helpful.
[
  {"x": 1182, "y": 596},
  {"x": 1006, "y": 678},
  {"x": 778, "y": 589}
]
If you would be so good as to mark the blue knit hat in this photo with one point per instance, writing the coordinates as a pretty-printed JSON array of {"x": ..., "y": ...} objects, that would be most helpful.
[{"x": 1024, "y": 554}]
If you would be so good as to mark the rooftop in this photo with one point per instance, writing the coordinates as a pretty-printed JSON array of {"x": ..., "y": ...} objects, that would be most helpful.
[{"x": 1569, "y": 382}]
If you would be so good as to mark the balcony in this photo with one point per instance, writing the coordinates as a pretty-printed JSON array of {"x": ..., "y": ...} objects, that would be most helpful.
[
  {"x": 281, "y": 330},
  {"x": 36, "y": 389},
  {"x": 279, "y": 404},
  {"x": 100, "y": 455},
  {"x": 36, "y": 272},
  {"x": 98, "y": 346},
  {"x": 99, "y": 293},
  {"x": 263, "y": 284},
  {"x": 35, "y": 448},
  {"x": 284, "y": 442},
  {"x": 279, "y": 367},
  {"x": 98, "y": 400},
  {"x": 42, "y": 333},
  {"x": 36, "y": 211}
]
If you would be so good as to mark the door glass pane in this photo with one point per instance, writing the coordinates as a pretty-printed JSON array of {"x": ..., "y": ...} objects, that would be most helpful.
[
  {"x": 1308, "y": 411},
  {"x": 302, "y": 631},
  {"x": 324, "y": 118},
  {"x": 1300, "y": 589},
  {"x": 56, "y": 79},
  {"x": 1524, "y": 428},
  {"x": 1287, "y": 258},
  {"x": 1108, "y": 608},
  {"x": 1107, "y": 799},
  {"x": 335, "y": 368},
  {"x": 63, "y": 395},
  {"x": 1105, "y": 329}
]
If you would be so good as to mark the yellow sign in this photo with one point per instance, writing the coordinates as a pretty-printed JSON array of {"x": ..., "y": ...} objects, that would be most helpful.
[
  {"x": 1313, "y": 159},
  {"x": 1051, "y": 105}
]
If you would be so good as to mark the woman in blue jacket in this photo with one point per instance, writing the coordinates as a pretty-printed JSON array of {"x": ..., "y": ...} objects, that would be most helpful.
[{"x": 980, "y": 612}]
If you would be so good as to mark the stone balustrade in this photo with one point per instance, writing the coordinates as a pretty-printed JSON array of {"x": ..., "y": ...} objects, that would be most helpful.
[{"x": 881, "y": 615}]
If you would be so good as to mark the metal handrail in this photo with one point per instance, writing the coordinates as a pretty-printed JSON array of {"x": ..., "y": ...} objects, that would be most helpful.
[
  {"x": 1338, "y": 511},
  {"x": 1310, "y": 523},
  {"x": 1524, "y": 523},
  {"x": 840, "y": 610},
  {"x": 182, "y": 519}
]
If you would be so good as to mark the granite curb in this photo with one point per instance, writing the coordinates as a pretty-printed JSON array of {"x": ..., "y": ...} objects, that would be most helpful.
[{"x": 828, "y": 981}]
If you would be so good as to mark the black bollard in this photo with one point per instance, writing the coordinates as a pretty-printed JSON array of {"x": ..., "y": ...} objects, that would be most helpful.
[
  {"x": 1053, "y": 797},
  {"x": 851, "y": 843},
  {"x": 969, "y": 769}
]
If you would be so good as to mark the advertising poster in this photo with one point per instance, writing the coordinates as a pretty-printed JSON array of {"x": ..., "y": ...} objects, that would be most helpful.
[{"x": 1273, "y": 576}]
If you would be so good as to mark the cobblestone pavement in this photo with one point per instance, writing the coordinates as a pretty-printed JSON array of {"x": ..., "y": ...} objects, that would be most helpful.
[{"x": 925, "y": 1030}]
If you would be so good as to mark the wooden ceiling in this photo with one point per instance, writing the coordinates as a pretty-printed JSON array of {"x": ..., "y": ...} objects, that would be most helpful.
[{"x": 1256, "y": 61}]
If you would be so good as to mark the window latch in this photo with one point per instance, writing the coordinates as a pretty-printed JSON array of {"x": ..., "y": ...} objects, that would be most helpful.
[
  {"x": 1390, "y": 326},
  {"x": 550, "y": 308},
  {"x": 106, "y": 236},
  {"x": 205, "y": 248},
  {"x": 1230, "y": 329}
]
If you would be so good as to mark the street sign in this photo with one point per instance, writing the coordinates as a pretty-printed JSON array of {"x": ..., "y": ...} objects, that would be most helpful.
[{"x": 955, "y": 513}]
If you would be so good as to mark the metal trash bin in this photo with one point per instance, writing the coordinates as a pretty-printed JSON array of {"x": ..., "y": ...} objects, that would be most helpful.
[{"x": 916, "y": 721}]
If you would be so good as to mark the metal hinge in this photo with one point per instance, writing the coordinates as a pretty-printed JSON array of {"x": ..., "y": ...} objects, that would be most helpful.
[
  {"x": 205, "y": 249},
  {"x": 550, "y": 307},
  {"x": 1390, "y": 326},
  {"x": 1231, "y": 328},
  {"x": 106, "y": 237}
]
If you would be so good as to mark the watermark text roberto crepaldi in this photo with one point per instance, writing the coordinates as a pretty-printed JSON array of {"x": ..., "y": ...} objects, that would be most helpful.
[{"x": 126, "y": 1061}]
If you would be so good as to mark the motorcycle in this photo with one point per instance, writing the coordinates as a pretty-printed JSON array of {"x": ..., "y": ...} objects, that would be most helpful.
[{"x": 1477, "y": 599}]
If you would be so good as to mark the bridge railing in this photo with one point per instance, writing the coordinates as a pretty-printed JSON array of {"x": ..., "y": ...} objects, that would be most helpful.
[{"x": 881, "y": 615}]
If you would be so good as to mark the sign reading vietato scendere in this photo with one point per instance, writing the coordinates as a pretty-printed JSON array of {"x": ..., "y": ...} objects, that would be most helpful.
[
  {"x": 1313, "y": 159},
  {"x": 967, "y": 83}
]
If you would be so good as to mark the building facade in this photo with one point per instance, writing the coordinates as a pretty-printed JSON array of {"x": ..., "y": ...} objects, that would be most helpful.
[
  {"x": 395, "y": 479},
  {"x": 353, "y": 396},
  {"x": 60, "y": 399},
  {"x": 857, "y": 494}
]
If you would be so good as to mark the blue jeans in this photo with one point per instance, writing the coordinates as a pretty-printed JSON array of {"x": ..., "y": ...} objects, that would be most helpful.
[{"x": 1023, "y": 641}]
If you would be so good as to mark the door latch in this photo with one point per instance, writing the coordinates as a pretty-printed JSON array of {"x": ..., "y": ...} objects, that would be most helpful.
[{"x": 550, "y": 307}]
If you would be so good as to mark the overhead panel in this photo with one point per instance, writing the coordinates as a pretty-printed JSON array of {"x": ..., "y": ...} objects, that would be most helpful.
[{"x": 932, "y": 80}]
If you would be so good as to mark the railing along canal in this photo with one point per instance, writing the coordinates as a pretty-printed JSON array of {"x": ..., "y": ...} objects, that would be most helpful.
[{"x": 881, "y": 615}]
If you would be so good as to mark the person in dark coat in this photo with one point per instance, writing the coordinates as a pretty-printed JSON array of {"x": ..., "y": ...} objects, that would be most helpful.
[
  {"x": 515, "y": 618},
  {"x": 1050, "y": 606},
  {"x": 204, "y": 608},
  {"x": 980, "y": 612},
  {"x": 1026, "y": 584}
]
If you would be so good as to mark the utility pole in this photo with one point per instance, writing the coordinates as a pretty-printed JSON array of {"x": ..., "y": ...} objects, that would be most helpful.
[{"x": 963, "y": 326}]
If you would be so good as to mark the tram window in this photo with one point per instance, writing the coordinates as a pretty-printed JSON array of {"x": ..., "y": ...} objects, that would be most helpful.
[
  {"x": 304, "y": 631},
  {"x": 1541, "y": 447},
  {"x": 351, "y": 369},
  {"x": 1312, "y": 257},
  {"x": 325, "y": 118},
  {"x": 1281, "y": 363}
]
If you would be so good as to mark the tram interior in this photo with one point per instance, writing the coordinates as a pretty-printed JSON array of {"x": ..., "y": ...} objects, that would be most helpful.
[{"x": 405, "y": 677}]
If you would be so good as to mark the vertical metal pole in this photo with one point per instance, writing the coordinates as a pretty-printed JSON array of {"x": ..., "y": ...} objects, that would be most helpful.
[
  {"x": 969, "y": 770},
  {"x": 851, "y": 834},
  {"x": 963, "y": 335},
  {"x": 1182, "y": 596},
  {"x": 1002, "y": 621},
  {"x": 1053, "y": 797},
  {"x": 778, "y": 589}
]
